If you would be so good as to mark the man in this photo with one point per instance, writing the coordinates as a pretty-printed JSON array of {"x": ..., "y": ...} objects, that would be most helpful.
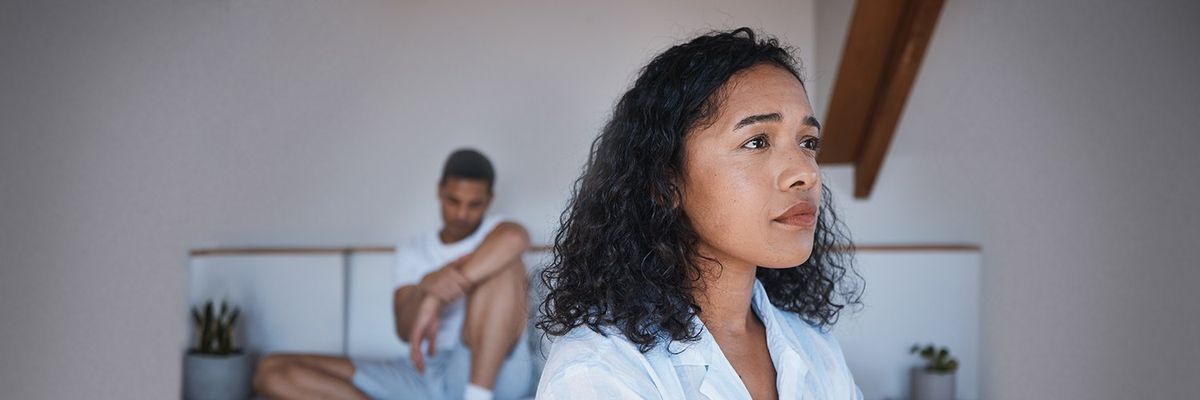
[{"x": 460, "y": 291}]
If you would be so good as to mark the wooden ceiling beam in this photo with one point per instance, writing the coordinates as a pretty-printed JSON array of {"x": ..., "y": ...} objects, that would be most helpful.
[
  {"x": 859, "y": 77},
  {"x": 884, "y": 49}
]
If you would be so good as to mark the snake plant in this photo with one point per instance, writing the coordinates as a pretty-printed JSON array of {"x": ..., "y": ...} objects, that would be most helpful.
[{"x": 214, "y": 330}]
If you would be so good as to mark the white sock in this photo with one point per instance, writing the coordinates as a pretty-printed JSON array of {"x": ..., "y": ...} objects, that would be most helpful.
[{"x": 475, "y": 392}]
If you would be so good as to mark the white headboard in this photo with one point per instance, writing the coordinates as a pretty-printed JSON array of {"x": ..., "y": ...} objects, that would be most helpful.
[
  {"x": 326, "y": 303},
  {"x": 340, "y": 304},
  {"x": 289, "y": 303}
]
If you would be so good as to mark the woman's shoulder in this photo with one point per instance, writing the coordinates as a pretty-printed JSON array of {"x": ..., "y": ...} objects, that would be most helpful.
[
  {"x": 584, "y": 346},
  {"x": 584, "y": 360}
]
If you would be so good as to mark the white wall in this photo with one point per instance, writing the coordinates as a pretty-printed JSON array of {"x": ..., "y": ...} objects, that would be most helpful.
[
  {"x": 135, "y": 130},
  {"x": 1062, "y": 136},
  {"x": 1059, "y": 135}
]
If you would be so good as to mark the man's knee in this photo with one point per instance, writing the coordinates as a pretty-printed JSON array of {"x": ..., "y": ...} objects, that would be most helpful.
[
  {"x": 272, "y": 372},
  {"x": 501, "y": 298},
  {"x": 511, "y": 276},
  {"x": 265, "y": 367},
  {"x": 278, "y": 371},
  {"x": 507, "y": 289}
]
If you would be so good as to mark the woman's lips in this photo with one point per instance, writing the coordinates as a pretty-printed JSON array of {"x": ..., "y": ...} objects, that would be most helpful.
[{"x": 801, "y": 215}]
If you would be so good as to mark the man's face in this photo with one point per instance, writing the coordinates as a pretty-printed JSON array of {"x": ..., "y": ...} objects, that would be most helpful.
[{"x": 463, "y": 201}]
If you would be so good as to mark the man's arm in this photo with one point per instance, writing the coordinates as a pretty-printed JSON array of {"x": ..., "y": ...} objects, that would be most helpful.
[
  {"x": 416, "y": 306},
  {"x": 404, "y": 306},
  {"x": 505, "y": 243},
  {"x": 502, "y": 246},
  {"x": 417, "y": 314}
]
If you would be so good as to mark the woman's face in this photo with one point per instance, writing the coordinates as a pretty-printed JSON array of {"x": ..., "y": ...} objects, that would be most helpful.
[{"x": 752, "y": 188}]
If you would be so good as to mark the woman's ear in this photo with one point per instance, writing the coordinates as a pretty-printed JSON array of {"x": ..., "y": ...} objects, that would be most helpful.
[{"x": 676, "y": 196}]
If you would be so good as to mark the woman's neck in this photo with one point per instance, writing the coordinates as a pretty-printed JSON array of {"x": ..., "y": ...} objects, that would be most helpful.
[{"x": 724, "y": 297}]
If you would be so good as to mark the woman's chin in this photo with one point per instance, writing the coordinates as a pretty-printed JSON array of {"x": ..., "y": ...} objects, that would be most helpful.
[{"x": 791, "y": 260}]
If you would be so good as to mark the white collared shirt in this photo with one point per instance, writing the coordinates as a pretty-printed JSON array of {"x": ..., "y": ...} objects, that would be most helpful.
[{"x": 587, "y": 365}]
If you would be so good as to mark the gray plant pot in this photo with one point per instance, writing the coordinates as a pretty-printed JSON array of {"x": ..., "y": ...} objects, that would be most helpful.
[
  {"x": 932, "y": 385},
  {"x": 210, "y": 377}
]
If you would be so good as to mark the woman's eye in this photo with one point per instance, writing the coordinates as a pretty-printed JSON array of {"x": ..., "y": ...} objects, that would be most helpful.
[
  {"x": 811, "y": 143},
  {"x": 756, "y": 143}
]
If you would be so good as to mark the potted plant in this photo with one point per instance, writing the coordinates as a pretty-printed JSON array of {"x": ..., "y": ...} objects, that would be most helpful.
[
  {"x": 215, "y": 368},
  {"x": 935, "y": 380}
]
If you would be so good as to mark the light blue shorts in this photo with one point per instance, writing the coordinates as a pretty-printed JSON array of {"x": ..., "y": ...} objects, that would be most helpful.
[{"x": 446, "y": 375}]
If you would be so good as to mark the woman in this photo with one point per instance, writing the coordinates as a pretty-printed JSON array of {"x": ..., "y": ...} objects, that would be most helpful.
[{"x": 699, "y": 256}]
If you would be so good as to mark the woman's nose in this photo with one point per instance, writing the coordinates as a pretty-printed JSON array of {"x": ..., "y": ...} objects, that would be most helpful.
[{"x": 800, "y": 171}]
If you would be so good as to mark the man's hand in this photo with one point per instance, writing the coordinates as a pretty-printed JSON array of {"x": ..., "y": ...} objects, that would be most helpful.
[
  {"x": 434, "y": 292},
  {"x": 425, "y": 326},
  {"x": 447, "y": 283}
]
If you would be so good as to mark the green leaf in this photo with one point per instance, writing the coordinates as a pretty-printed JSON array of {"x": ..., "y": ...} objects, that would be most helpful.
[
  {"x": 214, "y": 327},
  {"x": 208, "y": 313},
  {"x": 233, "y": 318}
]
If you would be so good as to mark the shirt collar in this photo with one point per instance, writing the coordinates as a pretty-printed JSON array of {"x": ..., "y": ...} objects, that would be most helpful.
[
  {"x": 698, "y": 353},
  {"x": 693, "y": 359},
  {"x": 691, "y": 362},
  {"x": 783, "y": 342},
  {"x": 780, "y": 336}
]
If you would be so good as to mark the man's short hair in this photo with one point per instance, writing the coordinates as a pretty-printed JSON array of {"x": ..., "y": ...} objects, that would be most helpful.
[{"x": 468, "y": 164}]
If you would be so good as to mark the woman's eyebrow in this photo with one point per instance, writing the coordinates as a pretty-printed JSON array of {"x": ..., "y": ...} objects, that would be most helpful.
[
  {"x": 754, "y": 119},
  {"x": 773, "y": 117},
  {"x": 812, "y": 121}
]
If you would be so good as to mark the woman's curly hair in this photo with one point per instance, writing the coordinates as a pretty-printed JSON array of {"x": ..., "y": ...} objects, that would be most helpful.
[{"x": 626, "y": 255}]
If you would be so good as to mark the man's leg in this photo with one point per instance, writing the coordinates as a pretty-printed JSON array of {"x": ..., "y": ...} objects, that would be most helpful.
[
  {"x": 497, "y": 312},
  {"x": 293, "y": 376}
]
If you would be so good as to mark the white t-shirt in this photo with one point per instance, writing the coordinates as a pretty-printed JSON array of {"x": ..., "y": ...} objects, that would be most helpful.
[{"x": 424, "y": 254}]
